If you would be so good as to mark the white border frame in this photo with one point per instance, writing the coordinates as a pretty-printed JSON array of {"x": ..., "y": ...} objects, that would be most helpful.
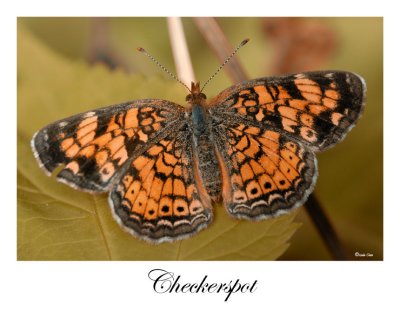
[{"x": 125, "y": 285}]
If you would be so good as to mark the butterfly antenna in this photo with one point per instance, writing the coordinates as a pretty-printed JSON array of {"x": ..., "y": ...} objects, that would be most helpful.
[
  {"x": 142, "y": 50},
  {"x": 226, "y": 61}
]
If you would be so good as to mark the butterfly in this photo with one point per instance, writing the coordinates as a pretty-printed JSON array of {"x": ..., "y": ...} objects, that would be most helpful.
[{"x": 164, "y": 165}]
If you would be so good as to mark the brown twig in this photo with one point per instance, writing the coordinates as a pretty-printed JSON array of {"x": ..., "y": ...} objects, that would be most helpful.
[
  {"x": 325, "y": 228},
  {"x": 218, "y": 42},
  {"x": 183, "y": 64}
]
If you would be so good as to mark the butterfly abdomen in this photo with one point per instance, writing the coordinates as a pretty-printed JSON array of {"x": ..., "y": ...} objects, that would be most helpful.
[{"x": 205, "y": 153}]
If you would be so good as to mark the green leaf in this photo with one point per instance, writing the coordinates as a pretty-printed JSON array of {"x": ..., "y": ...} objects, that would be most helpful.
[{"x": 56, "y": 222}]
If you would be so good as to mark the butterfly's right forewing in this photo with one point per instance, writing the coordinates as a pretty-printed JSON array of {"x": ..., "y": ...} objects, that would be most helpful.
[{"x": 316, "y": 108}]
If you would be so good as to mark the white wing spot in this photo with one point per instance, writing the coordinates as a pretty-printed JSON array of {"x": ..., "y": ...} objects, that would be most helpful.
[{"x": 89, "y": 114}]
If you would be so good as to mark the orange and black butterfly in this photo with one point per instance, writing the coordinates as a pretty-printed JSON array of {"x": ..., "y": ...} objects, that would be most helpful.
[{"x": 253, "y": 147}]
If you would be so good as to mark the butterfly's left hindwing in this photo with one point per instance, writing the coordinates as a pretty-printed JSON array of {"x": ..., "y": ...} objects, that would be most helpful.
[
  {"x": 157, "y": 199},
  {"x": 95, "y": 146}
]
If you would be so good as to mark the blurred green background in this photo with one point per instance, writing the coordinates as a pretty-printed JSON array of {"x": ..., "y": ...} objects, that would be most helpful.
[{"x": 95, "y": 51}]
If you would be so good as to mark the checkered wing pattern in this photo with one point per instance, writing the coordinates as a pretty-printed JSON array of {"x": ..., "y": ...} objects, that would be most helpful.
[
  {"x": 315, "y": 108},
  {"x": 267, "y": 131},
  {"x": 158, "y": 198},
  {"x": 94, "y": 147}
]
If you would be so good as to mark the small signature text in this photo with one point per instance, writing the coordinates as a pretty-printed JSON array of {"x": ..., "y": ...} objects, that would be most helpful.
[{"x": 361, "y": 254}]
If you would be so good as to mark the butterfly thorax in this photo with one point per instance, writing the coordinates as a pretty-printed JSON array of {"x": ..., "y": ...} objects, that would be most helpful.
[{"x": 203, "y": 144}]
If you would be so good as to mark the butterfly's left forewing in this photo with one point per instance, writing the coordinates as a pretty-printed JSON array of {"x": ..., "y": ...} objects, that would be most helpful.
[{"x": 95, "y": 146}]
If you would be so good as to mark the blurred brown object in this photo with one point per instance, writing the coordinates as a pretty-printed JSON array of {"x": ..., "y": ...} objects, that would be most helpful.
[
  {"x": 299, "y": 44},
  {"x": 218, "y": 42},
  {"x": 100, "y": 48}
]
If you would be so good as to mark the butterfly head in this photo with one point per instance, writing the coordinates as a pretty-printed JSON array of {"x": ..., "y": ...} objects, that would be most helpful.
[{"x": 196, "y": 96}]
